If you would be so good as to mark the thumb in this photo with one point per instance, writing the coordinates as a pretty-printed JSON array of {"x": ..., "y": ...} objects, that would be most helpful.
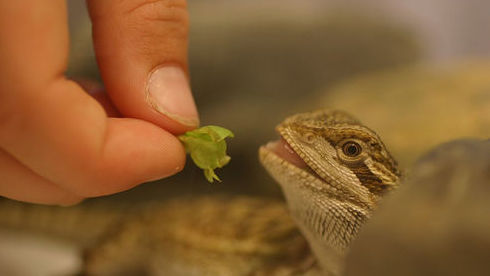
[{"x": 141, "y": 48}]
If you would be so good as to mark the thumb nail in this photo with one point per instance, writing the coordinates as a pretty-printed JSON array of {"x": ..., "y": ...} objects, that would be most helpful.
[{"x": 169, "y": 93}]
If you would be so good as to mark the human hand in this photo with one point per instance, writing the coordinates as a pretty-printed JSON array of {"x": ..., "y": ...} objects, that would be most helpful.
[{"x": 57, "y": 143}]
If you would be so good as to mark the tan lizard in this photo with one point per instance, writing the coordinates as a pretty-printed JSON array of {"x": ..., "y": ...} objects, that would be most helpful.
[{"x": 333, "y": 171}]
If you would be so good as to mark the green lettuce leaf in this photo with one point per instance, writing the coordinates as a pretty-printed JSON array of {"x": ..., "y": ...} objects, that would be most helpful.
[{"x": 207, "y": 148}]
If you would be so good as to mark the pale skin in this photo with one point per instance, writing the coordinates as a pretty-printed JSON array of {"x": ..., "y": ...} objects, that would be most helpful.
[{"x": 60, "y": 144}]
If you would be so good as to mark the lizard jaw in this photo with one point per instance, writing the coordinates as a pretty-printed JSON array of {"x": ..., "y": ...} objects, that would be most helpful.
[
  {"x": 283, "y": 153},
  {"x": 283, "y": 150}
]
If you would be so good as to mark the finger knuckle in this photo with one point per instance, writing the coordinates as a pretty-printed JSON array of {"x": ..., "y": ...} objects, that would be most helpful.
[
  {"x": 168, "y": 12},
  {"x": 103, "y": 180},
  {"x": 161, "y": 27},
  {"x": 94, "y": 183}
]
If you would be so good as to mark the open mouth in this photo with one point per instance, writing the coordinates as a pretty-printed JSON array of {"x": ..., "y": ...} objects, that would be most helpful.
[{"x": 282, "y": 149}]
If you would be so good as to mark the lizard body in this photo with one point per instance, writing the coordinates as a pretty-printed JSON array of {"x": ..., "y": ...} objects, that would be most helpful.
[
  {"x": 207, "y": 235},
  {"x": 437, "y": 223},
  {"x": 333, "y": 171}
]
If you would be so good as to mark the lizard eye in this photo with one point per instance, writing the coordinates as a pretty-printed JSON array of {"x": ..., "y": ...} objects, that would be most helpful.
[{"x": 351, "y": 149}]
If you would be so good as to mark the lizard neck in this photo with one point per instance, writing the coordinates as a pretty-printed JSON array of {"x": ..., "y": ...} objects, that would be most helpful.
[{"x": 329, "y": 224}]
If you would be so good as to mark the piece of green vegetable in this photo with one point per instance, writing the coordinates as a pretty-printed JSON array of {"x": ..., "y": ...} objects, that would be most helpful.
[{"x": 207, "y": 148}]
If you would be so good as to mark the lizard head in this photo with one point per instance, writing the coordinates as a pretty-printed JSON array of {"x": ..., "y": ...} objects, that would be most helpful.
[{"x": 333, "y": 170}]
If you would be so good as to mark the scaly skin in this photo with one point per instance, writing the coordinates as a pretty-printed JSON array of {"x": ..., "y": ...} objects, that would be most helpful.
[
  {"x": 329, "y": 194},
  {"x": 216, "y": 235},
  {"x": 332, "y": 194}
]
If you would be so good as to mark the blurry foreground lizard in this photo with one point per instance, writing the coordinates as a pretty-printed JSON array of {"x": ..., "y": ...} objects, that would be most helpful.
[
  {"x": 437, "y": 223},
  {"x": 333, "y": 171}
]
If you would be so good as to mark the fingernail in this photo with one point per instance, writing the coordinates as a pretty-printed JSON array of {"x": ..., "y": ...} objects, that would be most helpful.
[{"x": 169, "y": 93}]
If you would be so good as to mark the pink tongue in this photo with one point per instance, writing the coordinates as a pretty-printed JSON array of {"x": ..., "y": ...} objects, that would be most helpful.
[{"x": 283, "y": 150}]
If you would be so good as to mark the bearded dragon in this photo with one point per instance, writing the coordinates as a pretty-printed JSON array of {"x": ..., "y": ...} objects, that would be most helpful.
[{"x": 333, "y": 171}]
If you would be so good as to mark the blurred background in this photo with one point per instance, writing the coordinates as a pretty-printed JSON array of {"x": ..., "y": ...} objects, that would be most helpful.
[
  {"x": 417, "y": 72},
  {"x": 414, "y": 71}
]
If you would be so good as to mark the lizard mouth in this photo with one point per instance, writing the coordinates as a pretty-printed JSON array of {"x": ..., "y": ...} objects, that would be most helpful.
[{"x": 284, "y": 151}]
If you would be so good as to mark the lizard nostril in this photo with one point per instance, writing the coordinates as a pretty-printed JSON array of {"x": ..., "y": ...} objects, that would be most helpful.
[{"x": 309, "y": 137}]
